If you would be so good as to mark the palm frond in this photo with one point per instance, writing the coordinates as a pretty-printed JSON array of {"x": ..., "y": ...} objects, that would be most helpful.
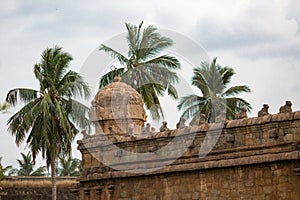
[
  {"x": 72, "y": 84},
  {"x": 115, "y": 54},
  {"x": 133, "y": 38},
  {"x": 234, "y": 90},
  {"x": 39, "y": 171},
  {"x": 164, "y": 60},
  {"x": 77, "y": 112},
  {"x": 190, "y": 100},
  {"x": 226, "y": 73},
  {"x": 191, "y": 112},
  {"x": 199, "y": 81},
  {"x": 172, "y": 92},
  {"x": 24, "y": 95},
  {"x": 152, "y": 43},
  {"x": 21, "y": 122},
  {"x": 109, "y": 76}
]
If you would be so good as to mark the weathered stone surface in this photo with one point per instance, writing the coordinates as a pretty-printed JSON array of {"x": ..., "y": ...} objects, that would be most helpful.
[
  {"x": 255, "y": 156},
  {"x": 260, "y": 181},
  {"x": 117, "y": 108},
  {"x": 246, "y": 158}
]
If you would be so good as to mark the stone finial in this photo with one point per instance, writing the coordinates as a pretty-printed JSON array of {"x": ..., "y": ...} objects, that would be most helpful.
[
  {"x": 181, "y": 123},
  {"x": 287, "y": 108},
  {"x": 148, "y": 127},
  {"x": 143, "y": 129},
  {"x": 264, "y": 111},
  {"x": 241, "y": 114},
  {"x": 163, "y": 127},
  {"x": 221, "y": 117},
  {"x": 153, "y": 130},
  {"x": 117, "y": 79},
  {"x": 201, "y": 120}
]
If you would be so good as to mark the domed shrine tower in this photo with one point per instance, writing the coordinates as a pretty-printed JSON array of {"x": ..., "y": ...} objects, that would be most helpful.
[{"x": 118, "y": 109}]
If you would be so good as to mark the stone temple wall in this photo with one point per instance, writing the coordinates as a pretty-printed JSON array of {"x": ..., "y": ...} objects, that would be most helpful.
[
  {"x": 36, "y": 188},
  {"x": 253, "y": 158}
]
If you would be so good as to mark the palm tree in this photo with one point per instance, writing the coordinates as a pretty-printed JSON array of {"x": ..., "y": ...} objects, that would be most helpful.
[
  {"x": 69, "y": 166},
  {"x": 5, "y": 170},
  {"x": 213, "y": 81},
  {"x": 145, "y": 69},
  {"x": 49, "y": 115},
  {"x": 26, "y": 166}
]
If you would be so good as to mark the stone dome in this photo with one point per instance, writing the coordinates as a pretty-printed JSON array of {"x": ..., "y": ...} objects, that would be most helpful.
[{"x": 118, "y": 108}]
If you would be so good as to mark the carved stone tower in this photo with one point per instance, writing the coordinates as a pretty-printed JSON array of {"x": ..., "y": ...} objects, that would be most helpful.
[{"x": 118, "y": 109}]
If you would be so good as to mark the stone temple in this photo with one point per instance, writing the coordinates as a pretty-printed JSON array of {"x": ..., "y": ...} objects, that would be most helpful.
[{"x": 246, "y": 158}]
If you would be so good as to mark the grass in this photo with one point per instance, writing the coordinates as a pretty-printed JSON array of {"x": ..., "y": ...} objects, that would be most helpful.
[{"x": 37, "y": 183}]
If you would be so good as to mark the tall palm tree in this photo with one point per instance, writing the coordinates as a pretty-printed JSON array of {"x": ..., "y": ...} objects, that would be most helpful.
[
  {"x": 213, "y": 81},
  {"x": 26, "y": 166},
  {"x": 145, "y": 68},
  {"x": 47, "y": 120},
  {"x": 69, "y": 166}
]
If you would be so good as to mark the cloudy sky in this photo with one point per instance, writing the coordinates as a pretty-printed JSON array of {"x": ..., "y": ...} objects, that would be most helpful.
[{"x": 259, "y": 39}]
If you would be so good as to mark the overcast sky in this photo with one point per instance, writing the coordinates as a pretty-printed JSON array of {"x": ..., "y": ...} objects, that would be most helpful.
[{"x": 259, "y": 39}]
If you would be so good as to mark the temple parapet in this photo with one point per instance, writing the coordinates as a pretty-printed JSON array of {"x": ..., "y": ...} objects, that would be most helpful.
[
  {"x": 239, "y": 142},
  {"x": 245, "y": 158}
]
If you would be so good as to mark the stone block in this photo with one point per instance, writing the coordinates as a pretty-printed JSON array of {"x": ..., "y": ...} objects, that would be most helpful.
[
  {"x": 282, "y": 117},
  {"x": 296, "y": 115}
]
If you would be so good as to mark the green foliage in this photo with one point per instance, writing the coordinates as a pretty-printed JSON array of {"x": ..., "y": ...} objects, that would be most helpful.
[
  {"x": 4, "y": 171},
  {"x": 49, "y": 113},
  {"x": 146, "y": 70},
  {"x": 47, "y": 120},
  {"x": 213, "y": 81},
  {"x": 68, "y": 166},
  {"x": 4, "y": 107},
  {"x": 26, "y": 167}
]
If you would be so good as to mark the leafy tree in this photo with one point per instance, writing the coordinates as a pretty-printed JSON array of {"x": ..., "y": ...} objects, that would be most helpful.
[
  {"x": 26, "y": 167},
  {"x": 145, "y": 69},
  {"x": 213, "y": 81},
  {"x": 4, "y": 171},
  {"x": 69, "y": 166},
  {"x": 47, "y": 120}
]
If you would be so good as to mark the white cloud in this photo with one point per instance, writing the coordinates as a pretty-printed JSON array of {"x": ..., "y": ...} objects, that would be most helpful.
[
  {"x": 258, "y": 38},
  {"x": 8, "y": 6},
  {"x": 292, "y": 12},
  {"x": 257, "y": 30}
]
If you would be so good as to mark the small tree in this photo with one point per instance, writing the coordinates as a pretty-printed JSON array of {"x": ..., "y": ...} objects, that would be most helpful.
[
  {"x": 5, "y": 171},
  {"x": 69, "y": 166},
  {"x": 26, "y": 167},
  {"x": 213, "y": 80}
]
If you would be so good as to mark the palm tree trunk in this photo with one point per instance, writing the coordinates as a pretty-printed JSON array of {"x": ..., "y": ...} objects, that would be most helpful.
[{"x": 53, "y": 179}]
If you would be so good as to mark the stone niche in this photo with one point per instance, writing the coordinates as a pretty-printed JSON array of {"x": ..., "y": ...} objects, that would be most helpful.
[{"x": 118, "y": 109}]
